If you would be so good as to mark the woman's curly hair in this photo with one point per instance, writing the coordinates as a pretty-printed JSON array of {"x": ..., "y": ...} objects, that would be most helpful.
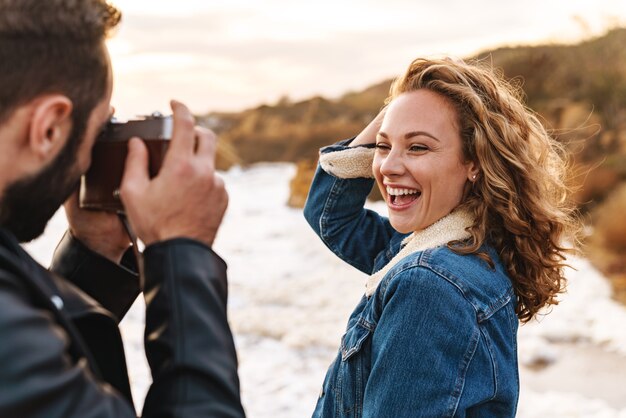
[{"x": 520, "y": 199}]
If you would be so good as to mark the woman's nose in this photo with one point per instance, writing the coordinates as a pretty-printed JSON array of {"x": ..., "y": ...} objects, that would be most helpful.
[{"x": 393, "y": 164}]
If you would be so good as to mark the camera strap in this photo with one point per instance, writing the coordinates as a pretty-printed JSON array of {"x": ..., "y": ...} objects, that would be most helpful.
[{"x": 133, "y": 240}]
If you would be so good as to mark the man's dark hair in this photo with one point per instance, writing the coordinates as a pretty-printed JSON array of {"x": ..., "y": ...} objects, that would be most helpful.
[
  {"x": 51, "y": 47},
  {"x": 55, "y": 46}
]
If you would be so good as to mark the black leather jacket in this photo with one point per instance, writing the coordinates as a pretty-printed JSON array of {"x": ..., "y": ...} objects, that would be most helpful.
[{"x": 61, "y": 353}]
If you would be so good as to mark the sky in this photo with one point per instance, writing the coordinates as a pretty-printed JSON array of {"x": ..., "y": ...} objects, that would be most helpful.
[{"x": 229, "y": 55}]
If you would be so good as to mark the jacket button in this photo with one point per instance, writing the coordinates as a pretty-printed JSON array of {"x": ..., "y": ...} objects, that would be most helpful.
[{"x": 57, "y": 301}]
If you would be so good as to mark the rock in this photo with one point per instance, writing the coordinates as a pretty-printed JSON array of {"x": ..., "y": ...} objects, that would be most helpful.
[{"x": 301, "y": 182}]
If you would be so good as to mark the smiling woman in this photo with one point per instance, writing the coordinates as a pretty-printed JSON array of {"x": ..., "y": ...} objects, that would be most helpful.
[{"x": 477, "y": 213}]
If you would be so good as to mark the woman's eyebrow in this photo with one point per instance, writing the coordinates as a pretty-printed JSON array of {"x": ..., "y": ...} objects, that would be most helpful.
[
  {"x": 420, "y": 133},
  {"x": 410, "y": 135}
]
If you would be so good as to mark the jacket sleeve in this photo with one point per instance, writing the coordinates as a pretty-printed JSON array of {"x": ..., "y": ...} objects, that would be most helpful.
[
  {"x": 422, "y": 347},
  {"x": 335, "y": 209},
  {"x": 188, "y": 345},
  {"x": 114, "y": 286},
  {"x": 38, "y": 378},
  {"x": 188, "y": 342}
]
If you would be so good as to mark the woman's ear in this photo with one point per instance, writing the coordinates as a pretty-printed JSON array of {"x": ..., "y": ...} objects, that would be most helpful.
[
  {"x": 473, "y": 171},
  {"x": 50, "y": 126}
]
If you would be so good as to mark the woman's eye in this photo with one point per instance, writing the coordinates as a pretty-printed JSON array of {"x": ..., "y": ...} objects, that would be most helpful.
[
  {"x": 382, "y": 146},
  {"x": 418, "y": 148}
]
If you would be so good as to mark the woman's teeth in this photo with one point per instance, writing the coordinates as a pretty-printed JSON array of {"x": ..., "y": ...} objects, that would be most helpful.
[
  {"x": 402, "y": 196},
  {"x": 400, "y": 192}
]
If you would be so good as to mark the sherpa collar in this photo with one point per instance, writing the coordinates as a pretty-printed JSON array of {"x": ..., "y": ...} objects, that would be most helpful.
[{"x": 451, "y": 227}]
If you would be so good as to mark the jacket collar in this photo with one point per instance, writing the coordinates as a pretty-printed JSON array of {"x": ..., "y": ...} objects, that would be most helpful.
[
  {"x": 49, "y": 292},
  {"x": 451, "y": 227},
  {"x": 61, "y": 292}
]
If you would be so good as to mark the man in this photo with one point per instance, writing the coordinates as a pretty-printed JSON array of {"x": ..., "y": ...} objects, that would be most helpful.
[{"x": 61, "y": 353}]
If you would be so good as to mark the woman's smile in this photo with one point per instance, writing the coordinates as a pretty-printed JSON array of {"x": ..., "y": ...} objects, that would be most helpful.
[{"x": 401, "y": 198}]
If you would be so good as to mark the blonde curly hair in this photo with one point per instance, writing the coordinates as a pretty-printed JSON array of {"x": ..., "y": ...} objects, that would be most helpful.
[{"x": 520, "y": 199}]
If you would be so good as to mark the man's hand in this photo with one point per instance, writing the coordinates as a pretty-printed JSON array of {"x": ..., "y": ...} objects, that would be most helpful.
[
  {"x": 187, "y": 198},
  {"x": 101, "y": 232}
]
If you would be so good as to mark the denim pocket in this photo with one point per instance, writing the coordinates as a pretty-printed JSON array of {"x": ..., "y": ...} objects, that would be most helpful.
[
  {"x": 354, "y": 369},
  {"x": 353, "y": 339}
]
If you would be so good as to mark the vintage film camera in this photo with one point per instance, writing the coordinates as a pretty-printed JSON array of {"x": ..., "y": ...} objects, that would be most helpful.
[{"x": 99, "y": 189}]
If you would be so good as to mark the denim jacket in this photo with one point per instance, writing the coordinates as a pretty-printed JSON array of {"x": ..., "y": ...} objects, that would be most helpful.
[{"x": 437, "y": 338}]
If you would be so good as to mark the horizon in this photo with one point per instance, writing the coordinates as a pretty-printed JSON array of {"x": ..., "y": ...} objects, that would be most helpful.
[{"x": 233, "y": 55}]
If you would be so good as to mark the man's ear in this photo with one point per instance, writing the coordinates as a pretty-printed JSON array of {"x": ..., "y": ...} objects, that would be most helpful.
[{"x": 50, "y": 126}]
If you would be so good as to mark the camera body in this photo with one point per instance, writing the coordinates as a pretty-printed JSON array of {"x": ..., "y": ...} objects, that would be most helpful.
[{"x": 99, "y": 188}]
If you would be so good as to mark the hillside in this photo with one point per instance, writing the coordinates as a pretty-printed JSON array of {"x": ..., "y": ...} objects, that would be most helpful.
[
  {"x": 580, "y": 90},
  {"x": 290, "y": 131}
]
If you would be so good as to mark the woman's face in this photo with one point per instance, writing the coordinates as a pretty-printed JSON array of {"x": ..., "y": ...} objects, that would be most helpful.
[{"x": 418, "y": 164}]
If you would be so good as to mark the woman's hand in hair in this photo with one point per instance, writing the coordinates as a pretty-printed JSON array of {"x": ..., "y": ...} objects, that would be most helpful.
[{"x": 368, "y": 135}]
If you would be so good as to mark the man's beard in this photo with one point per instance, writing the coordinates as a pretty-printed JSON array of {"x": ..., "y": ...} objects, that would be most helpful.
[{"x": 29, "y": 203}]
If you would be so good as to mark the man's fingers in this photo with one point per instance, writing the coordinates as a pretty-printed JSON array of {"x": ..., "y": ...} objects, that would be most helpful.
[
  {"x": 72, "y": 201},
  {"x": 207, "y": 143},
  {"x": 136, "y": 169},
  {"x": 183, "y": 140}
]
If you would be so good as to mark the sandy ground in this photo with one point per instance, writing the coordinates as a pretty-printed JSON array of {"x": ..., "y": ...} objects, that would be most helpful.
[{"x": 583, "y": 369}]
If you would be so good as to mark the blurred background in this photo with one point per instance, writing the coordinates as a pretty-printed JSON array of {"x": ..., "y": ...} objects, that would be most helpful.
[
  {"x": 230, "y": 55},
  {"x": 279, "y": 79}
]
